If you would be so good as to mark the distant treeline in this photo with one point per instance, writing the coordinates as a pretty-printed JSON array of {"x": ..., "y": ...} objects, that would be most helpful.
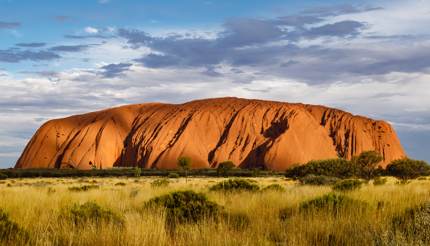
[
  {"x": 365, "y": 166},
  {"x": 132, "y": 172}
]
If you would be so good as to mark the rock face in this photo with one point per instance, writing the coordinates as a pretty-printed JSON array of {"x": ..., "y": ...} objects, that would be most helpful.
[{"x": 251, "y": 133}]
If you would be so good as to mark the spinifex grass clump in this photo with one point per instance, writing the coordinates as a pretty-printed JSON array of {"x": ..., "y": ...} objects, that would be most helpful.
[
  {"x": 232, "y": 185},
  {"x": 379, "y": 181},
  {"x": 91, "y": 212},
  {"x": 158, "y": 183},
  {"x": 274, "y": 187},
  {"x": 185, "y": 207},
  {"x": 9, "y": 230},
  {"x": 414, "y": 225},
  {"x": 173, "y": 175},
  {"x": 318, "y": 180},
  {"x": 83, "y": 188},
  {"x": 331, "y": 202},
  {"x": 347, "y": 185}
]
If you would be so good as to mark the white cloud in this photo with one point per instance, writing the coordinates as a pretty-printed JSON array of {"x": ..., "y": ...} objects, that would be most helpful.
[{"x": 91, "y": 30}]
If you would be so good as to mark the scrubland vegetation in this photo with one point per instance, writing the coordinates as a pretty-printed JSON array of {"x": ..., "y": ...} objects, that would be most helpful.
[
  {"x": 328, "y": 202},
  {"x": 213, "y": 211}
]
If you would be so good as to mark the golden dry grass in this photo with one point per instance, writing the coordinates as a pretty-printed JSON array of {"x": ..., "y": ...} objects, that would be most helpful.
[{"x": 38, "y": 206}]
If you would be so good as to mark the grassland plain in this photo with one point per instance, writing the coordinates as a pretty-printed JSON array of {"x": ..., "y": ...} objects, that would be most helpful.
[{"x": 40, "y": 207}]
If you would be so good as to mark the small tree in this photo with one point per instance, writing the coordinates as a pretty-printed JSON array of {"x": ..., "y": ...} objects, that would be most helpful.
[
  {"x": 93, "y": 165},
  {"x": 137, "y": 171},
  {"x": 224, "y": 168},
  {"x": 184, "y": 163},
  {"x": 408, "y": 168},
  {"x": 367, "y": 162}
]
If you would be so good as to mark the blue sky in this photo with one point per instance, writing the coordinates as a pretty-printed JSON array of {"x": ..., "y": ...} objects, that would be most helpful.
[{"x": 65, "y": 57}]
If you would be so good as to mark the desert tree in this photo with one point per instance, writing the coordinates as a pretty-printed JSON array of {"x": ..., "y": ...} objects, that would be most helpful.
[
  {"x": 184, "y": 164},
  {"x": 367, "y": 163},
  {"x": 225, "y": 167}
]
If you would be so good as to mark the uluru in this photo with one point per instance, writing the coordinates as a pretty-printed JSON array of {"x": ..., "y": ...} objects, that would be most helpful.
[{"x": 250, "y": 133}]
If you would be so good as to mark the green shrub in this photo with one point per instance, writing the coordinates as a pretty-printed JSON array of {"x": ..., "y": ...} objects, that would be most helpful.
[
  {"x": 158, "y": 183},
  {"x": 83, "y": 188},
  {"x": 318, "y": 180},
  {"x": 185, "y": 207},
  {"x": 379, "y": 181},
  {"x": 3, "y": 176},
  {"x": 339, "y": 168},
  {"x": 120, "y": 184},
  {"x": 91, "y": 212},
  {"x": 414, "y": 224},
  {"x": 331, "y": 202},
  {"x": 408, "y": 168},
  {"x": 274, "y": 187},
  {"x": 347, "y": 185},
  {"x": 10, "y": 231},
  {"x": 235, "y": 185},
  {"x": 224, "y": 168},
  {"x": 173, "y": 175}
]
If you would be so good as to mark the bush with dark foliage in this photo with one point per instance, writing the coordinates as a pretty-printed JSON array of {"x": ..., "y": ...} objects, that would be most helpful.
[
  {"x": 274, "y": 187},
  {"x": 408, "y": 168},
  {"x": 366, "y": 164},
  {"x": 93, "y": 213},
  {"x": 340, "y": 168},
  {"x": 347, "y": 185},
  {"x": 185, "y": 207},
  {"x": 224, "y": 168},
  {"x": 332, "y": 202},
  {"x": 318, "y": 180},
  {"x": 232, "y": 185}
]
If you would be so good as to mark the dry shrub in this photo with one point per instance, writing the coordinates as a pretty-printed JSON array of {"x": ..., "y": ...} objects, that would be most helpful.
[
  {"x": 347, "y": 185},
  {"x": 318, "y": 180},
  {"x": 414, "y": 225},
  {"x": 185, "y": 207},
  {"x": 91, "y": 212},
  {"x": 333, "y": 203},
  {"x": 274, "y": 187},
  {"x": 159, "y": 183},
  {"x": 10, "y": 231},
  {"x": 83, "y": 188},
  {"x": 232, "y": 185}
]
